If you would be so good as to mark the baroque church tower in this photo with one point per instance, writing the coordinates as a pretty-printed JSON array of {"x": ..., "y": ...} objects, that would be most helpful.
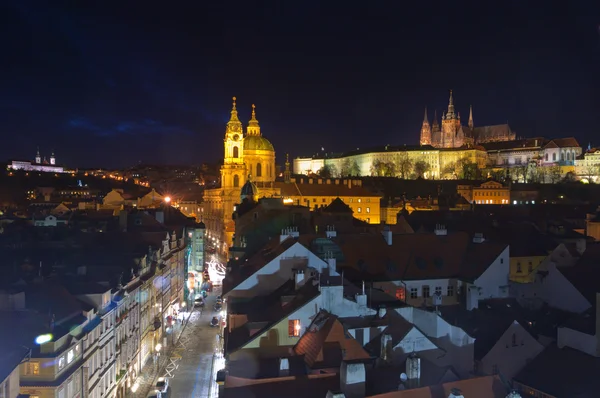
[
  {"x": 233, "y": 169},
  {"x": 426, "y": 131}
]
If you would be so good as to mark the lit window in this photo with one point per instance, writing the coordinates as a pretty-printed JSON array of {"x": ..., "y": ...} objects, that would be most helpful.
[
  {"x": 33, "y": 368},
  {"x": 359, "y": 210},
  {"x": 61, "y": 363},
  {"x": 368, "y": 209},
  {"x": 70, "y": 356},
  {"x": 294, "y": 327},
  {"x": 359, "y": 200},
  {"x": 400, "y": 294}
]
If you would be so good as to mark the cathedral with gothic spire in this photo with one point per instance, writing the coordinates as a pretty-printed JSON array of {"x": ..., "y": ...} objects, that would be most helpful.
[{"x": 451, "y": 133}]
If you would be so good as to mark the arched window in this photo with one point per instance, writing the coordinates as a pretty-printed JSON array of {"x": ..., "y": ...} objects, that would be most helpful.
[
  {"x": 236, "y": 152},
  {"x": 546, "y": 157},
  {"x": 554, "y": 157},
  {"x": 258, "y": 170},
  {"x": 562, "y": 156},
  {"x": 236, "y": 181}
]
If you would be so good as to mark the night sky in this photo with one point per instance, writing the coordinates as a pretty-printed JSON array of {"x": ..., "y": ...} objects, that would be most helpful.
[{"x": 108, "y": 83}]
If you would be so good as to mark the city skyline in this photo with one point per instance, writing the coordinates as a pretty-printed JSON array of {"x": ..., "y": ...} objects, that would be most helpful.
[{"x": 115, "y": 88}]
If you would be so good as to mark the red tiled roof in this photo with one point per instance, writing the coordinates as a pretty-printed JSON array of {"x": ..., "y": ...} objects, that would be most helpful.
[{"x": 417, "y": 256}]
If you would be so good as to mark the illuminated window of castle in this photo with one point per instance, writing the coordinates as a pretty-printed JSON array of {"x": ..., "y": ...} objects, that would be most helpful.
[
  {"x": 294, "y": 327},
  {"x": 258, "y": 170},
  {"x": 236, "y": 152},
  {"x": 236, "y": 181}
]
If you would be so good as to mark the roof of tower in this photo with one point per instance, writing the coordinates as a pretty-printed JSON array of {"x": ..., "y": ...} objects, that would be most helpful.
[
  {"x": 249, "y": 188},
  {"x": 257, "y": 143},
  {"x": 234, "y": 113},
  {"x": 253, "y": 121}
]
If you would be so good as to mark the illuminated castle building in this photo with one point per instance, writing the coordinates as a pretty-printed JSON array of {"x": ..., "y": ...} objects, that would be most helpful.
[
  {"x": 453, "y": 134},
  {"x": 40, "y": 164}
]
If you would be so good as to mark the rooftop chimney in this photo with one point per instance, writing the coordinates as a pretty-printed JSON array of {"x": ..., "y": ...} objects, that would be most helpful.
[
  {"x": 330, "y": 231},
  {"x": 284, "y": 367},
  {"x": 386, "y": 346},
  {"x": 478, "y": 238},
  {"x": 456, "y": 393},
  {"x": 123, "y": 214},
  {"x": 299, "y": 278},
  {"x": 352, "y": 379},
  {"x": 332, "y": 265},
  {"x": 361, "y": 299},
  {"x": 387, "y": 235},
  {"x": 440, "y": 230},
  {"x": 289, "y": 232},
  {"x": 331, "y": 394},
  {"x": 413, "y": 367},
  {"x": 160, "y": 216}
]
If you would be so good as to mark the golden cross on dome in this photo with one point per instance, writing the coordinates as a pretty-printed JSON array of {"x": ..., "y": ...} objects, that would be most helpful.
[
  {"x": 234, "y": 99},
  {"x": 253, "y": 111}
]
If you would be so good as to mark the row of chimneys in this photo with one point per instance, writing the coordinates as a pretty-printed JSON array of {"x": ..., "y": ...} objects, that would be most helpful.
[
  {"x": 440, "y": 230},
  {"x": 328, "y": 181},
  {"x": 293, "y": 232}
]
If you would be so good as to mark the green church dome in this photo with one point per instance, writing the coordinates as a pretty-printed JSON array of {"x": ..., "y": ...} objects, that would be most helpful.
[{"x": 257, "y": 143}]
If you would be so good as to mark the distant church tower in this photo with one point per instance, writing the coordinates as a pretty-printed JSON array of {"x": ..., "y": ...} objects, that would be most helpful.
[
  {"x": 38, "y": 157},
  {"x": 426, "y": 131},
  {"x": 52, "y": 159},
  {"x": 233, "y": 169},
  {"x": 471, "y": 117}
]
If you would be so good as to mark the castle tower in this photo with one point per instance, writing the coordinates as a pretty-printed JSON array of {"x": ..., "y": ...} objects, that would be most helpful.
[
  {"x": 471, "y": 117},
  {"x": 425, "y": 131},
  {"x": 38, "y": 157},
  {"x": 450, "y": 125},
  {"x": 52, "y": 159},
  {"x": 232, "y": 171}
]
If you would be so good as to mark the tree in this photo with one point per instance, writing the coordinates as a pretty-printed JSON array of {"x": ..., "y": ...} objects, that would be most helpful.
[
  {"x": 590, "y": 171},
  {"x": 570, "y": 177},
  {"x": 382, "y": 169},
  {"x": 421, "y": 167},
  {"x": 349, "y": 168},
  {"x": 554, "y": 174},
  {"x": 403, "y": 165},
  {"x": 467, "y": 170},
  {"x": 327, "y": 171}
]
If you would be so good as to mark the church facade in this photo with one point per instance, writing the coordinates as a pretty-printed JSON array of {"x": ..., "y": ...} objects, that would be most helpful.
[
  {"x": 248, "y": 156},
  {"x": 451, "y": 133}
]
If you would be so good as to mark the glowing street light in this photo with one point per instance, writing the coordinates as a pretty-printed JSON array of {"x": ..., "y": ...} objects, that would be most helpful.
[
  {"x": 158, "y": 347},
  {"x": 42, "y": 339},
  {"x": 167, "y": 199}
]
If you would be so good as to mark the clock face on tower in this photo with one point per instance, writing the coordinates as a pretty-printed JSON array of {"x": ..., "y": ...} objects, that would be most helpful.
[{"x": 236, "y": 137}]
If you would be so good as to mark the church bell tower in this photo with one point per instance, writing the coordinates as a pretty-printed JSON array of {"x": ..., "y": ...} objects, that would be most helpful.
[
  {"x": 232, "y": 171},
  {"x": 425, "y": 131}
]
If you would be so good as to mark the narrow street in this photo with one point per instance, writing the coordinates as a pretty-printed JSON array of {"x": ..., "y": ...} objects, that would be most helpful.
[{"x": 194, "y": 376}]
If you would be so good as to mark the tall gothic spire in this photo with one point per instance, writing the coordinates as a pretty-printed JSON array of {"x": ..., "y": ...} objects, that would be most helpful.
[
  {"x": 253, "y": 127},
  {"x": 234, "y": 112},
  {"x": 426, "y": 119},
  {"x": 425, "y": 131},
  {"x": 450, "y": 113},
  {"x": 471, "y": 117}
]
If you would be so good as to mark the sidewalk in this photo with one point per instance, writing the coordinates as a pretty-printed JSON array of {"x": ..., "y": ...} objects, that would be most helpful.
[{"x": 150, "y": 372}]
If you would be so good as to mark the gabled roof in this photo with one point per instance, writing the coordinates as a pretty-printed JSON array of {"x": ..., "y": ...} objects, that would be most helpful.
[
  {"x": 569, "y": 142},
  {"x": 416, "y": 256},
  {"x": 243, "y": 335},
  {"x": 325, "y": 344},
  {"x": 573, "y": 379},
  {"x": 338, "y": 206}
]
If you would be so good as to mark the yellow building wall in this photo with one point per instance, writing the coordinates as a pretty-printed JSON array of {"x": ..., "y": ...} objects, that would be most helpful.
[
  {"x": 367, "y": 209},
  {"x": 495, "y": 196},
  {"x": 272, "y": 339},
  {"x": 523, "y": 264}
]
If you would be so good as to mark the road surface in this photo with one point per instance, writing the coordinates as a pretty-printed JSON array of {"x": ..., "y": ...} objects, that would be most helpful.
[{"x": 195, "y": 374}]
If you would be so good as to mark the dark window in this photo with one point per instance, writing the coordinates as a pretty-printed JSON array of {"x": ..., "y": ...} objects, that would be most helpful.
[
  {"x": 258, "y": 170},
  {"x": 425, "y": 291},
  {"x": 236, "y": 181},
  {"x": 450, "y": 291},
  {"x": 236, "y": 152}
]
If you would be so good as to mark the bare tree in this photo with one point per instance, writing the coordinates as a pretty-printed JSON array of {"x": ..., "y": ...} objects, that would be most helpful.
[
  {"x": 590, "y": 171},
  {"x": 327, "y": 171}
]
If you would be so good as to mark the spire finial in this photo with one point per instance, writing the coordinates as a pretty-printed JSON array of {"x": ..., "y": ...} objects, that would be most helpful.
[
  {"x": 425, "y": 118},
  {"x": 253, "y": 111},
  {"x": 287, "y": 158},
  {"x": 234, "y": 99}
]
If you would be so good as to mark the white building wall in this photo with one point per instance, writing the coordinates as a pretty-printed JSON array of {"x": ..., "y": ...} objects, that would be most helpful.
[
  {"x": 493, "y": 283},
  {"x": 559, "y": 293},
  {"x": 277, "y": 272},
  {"x": 414, "y": 341},
  {"x": 510, "y": 359},
  {"x": 580, "y": 341}
]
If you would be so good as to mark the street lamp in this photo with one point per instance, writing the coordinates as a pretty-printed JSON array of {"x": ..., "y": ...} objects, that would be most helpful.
[{"x": 167, "y": 199}]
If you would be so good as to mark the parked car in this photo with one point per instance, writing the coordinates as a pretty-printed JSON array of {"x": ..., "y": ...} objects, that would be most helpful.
[
  {"x": 162, "y": 384},
  {"x": 218, "y": 307},
  {"x": 199, "y": 302}
]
